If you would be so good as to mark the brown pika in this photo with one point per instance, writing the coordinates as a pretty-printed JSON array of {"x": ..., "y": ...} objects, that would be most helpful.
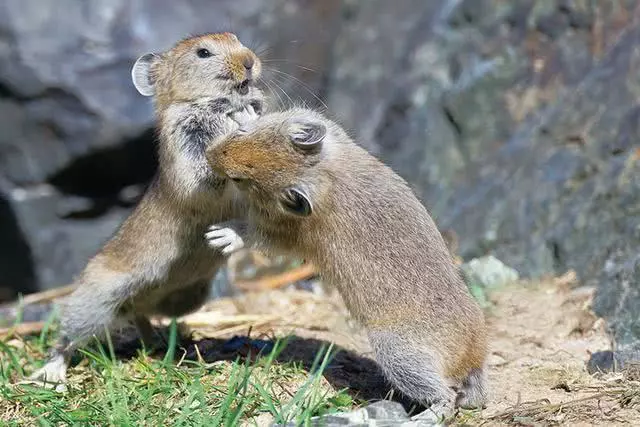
[
  {"x": 314, "y": 194},
  {"x": 158, "y": 263}
]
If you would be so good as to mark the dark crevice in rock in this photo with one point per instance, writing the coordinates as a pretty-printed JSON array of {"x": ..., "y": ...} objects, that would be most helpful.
[
  {"x": 457, "y": 127},
  {"x": 103, "y": 175},
  {"x": 458, "y": 131},
  {"x": 466, "y": 14},
  {"x": 389, "y": 134},
  {"x": 575, "y": 18},
  {"x": 516, "y": 20},
  {"x": 60, "y": 95},
  {"x": 17, "y": 270},
  {"x": 7, "y": 92},
  {"x": 556, "y": 255},
  {"x": 349, "y": 11},
  {"x": 628, "y": 134}
]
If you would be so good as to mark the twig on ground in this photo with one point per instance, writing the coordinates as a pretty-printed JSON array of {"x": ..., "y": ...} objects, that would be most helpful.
[
  {"x": 305, "y": 271},
  {"x": 22, "y": 329}
]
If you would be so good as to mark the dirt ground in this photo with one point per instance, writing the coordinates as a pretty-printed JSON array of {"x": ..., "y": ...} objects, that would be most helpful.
[{"x": 543, "y": 334}]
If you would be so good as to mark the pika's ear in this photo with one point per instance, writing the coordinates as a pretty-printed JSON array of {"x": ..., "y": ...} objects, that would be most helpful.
[
  {"x": 296, "y": 201},
  {"x": 307, "y": 135},
  {"x": 141, "y": 74}
]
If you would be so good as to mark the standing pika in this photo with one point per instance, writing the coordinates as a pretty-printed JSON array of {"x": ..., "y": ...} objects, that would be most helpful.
[
  {"x": 315, "y": 194},
  {"x": 158, "y": 261}
]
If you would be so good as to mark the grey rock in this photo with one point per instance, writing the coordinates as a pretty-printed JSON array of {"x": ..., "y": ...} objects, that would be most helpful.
[
  {"x": 565, "y": 199},
  {"x": 59, "y": 248},
  {"x": 603, "y": 361},
  {"x": 488, "y": 272},
  {"x": 379, "y": 414}
]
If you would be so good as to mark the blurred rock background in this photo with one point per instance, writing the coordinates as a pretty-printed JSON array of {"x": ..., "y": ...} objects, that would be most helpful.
[{"x": 517, "y": 122}]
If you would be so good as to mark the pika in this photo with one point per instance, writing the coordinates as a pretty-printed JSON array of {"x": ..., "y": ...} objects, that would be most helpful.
[
  {"x": 158, "y": 262},
  {"x": 314, "y": 193}
]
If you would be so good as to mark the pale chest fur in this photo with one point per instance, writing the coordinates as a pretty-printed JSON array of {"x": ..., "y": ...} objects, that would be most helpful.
[{"x": 188, "y": 129}]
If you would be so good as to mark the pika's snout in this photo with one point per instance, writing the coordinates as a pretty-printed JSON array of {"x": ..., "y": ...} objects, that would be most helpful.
[
  {"x": 248, "y": 62},
  {"x": 244, "y": 68}
]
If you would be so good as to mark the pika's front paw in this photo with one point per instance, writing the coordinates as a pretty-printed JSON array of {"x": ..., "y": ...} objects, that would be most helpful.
[
  {"x": 245, "y": 117},
  {"x": 225, "y": 239}
]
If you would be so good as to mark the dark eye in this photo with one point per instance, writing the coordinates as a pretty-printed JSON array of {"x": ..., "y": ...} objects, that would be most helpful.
[
  {"x": 203, "y": 53},
  {"x": 296, "y": 202}
]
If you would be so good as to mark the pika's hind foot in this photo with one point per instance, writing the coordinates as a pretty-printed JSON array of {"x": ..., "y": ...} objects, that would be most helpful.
[
  {"x": 473, "y": 393},
  {"x": 52, "y": 374}
]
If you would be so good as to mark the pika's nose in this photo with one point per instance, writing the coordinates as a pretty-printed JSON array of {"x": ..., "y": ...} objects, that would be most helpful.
[{"x": 248, "y": 62}]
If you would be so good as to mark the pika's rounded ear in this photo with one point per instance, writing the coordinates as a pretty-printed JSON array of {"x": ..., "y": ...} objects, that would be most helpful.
[
  {"x": 141, "y": 74},
  {"x": 296, "y": 201},
  {"x": 307, "y": 135}
]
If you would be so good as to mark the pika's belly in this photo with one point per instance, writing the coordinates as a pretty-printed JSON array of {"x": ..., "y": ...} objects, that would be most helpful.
[{"x": 200, "y": 265}]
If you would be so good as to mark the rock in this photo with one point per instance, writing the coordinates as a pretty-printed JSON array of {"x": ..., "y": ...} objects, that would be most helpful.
[
  {"x": 488, "y": 272},
  {"x": 570, "y": 199},
  {"x": 382, "y": 413},
  {"x": 618, "y": 301},
  {"x": 71, "y": 117},
  {"x": 59, "y": 247},
  {"x": 603, "y": 361}
]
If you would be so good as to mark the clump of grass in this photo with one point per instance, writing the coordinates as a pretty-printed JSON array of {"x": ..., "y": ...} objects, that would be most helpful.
[{"x": 150, "y": 391}]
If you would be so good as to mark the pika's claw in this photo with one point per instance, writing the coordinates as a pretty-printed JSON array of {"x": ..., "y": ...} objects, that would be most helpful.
[
  {"x": 245, "y": 116},
  {"x": 53, "y": 374},
  {"x": 224, "y": 239}
]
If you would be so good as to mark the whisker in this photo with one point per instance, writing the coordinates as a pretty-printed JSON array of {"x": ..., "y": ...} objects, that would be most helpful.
[
  {"x": 281, "y": 80},
  {"x": 261, "y": 51},
  {"x": 259, "y": 47},
  {"x": 291, "y": 62},
  {"x": 291, "y": 103},
  {"x": 282, "y": 104},
  {"x": 301, "y": 83},
  {"x": 273, "y": 92}
]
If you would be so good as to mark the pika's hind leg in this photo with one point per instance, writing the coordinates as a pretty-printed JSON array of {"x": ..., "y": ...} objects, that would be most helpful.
[
  {"x": 184, "y": 300},
  {"x": 86, "y": 313},
  {"x": 473, "y": 393},
  {"x": 416, "y": 373},
  {"x": 177, "y": 303}
]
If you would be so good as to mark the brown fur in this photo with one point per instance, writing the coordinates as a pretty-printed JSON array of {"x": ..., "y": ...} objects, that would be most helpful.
[
  {"x": 158, "y": 261},
  {"x": 372, "y": 239}
]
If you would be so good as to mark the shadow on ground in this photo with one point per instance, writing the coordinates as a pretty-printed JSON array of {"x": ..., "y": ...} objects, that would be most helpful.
[{"x": 360, "y": 376}]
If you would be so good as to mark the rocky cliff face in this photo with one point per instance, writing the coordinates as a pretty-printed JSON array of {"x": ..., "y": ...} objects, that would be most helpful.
[{"x": 516, "y": 122}]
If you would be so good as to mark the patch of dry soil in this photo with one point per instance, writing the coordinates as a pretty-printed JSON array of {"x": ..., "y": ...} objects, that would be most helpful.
[{"x": 543, "y": 334}]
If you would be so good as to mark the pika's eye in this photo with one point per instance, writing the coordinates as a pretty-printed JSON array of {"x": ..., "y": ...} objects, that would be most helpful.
[
  {"x": 203, "y": 53},
  {"x": 296, "y": 201}
]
